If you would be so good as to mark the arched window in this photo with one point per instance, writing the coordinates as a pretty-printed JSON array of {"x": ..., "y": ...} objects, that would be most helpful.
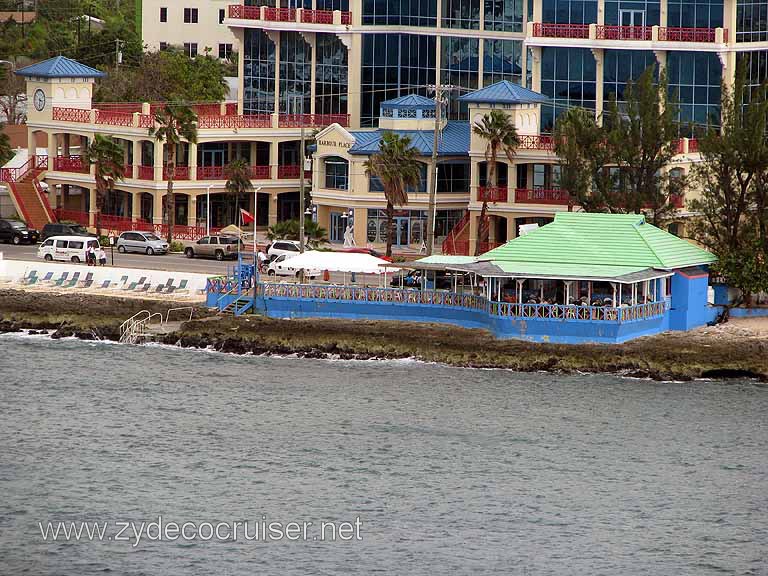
[{"x": 336, "y": 173}]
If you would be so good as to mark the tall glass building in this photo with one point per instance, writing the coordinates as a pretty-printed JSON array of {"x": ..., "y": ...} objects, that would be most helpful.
[{"x": 577, "y": 52}]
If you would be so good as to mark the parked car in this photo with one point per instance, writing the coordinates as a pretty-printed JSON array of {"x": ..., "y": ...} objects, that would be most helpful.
[
  {"x": 285, "y": 247},
  {"x": 219, "y": 247},
  {"x": 66, "y": 248},
  {"x": 145, "y": 242},
  {"x": 17, "y": 232},
  {"x": 281, "y": 266},
  {"x": 59, "y": 229}
]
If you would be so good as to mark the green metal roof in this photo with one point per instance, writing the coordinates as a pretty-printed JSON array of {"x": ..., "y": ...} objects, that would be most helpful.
[
  {"x": 443, "y": 259},
  {"x": 599, "y": 244}
]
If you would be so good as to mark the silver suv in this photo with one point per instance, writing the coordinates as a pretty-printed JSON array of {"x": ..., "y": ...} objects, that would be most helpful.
[
  {"x": 219, "y": 247},
  {"x": 145, "y": 242}
]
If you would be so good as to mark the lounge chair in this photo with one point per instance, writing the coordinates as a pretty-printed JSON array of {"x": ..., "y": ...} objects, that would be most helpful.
[
  {"x": 30, "y": 278},
  {"x": 62, "y": 279},
  {"x": 144, "y": 288},
  {"x": 159, "y": 289},
  {"x": 182, "y": 288},
  {"x": 132, "y": 285},
  {"x": 73, "y": 281},
  {"x": 118, "y": 285},
  {"x": 88, "y": 280},
  {"x": 104, "y": 285}
]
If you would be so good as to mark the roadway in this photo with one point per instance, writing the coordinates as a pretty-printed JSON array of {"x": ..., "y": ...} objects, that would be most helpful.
[{"x": 167, "y": 262}]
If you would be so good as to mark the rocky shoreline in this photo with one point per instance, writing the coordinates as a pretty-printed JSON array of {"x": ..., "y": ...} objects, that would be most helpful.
[{"x": 729, "y": 350}]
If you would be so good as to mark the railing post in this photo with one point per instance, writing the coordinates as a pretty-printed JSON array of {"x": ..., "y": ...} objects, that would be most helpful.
[
  {"x": 593, "y": 31},
  {"x": 654, "y": 33}
]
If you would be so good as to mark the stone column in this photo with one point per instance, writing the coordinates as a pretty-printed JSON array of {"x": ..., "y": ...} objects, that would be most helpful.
[
  {"x": 158, "y": 161},
  {"x": 361, "y": 226},
  {"x": 474, "y": 221},
  {"x": 157, "y": 206},
  {"x": 598, "y": 54},
  {"x": 135, "y": 206},
  {"x": 92, "y": 206},
  {"x": 192, "y": 161},
  {"x": 274, "y": 158},
  {"x": 192, "y": 209}
]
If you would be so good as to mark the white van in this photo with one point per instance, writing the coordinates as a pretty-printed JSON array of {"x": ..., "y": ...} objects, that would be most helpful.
[{"x": 67, "y": 248}]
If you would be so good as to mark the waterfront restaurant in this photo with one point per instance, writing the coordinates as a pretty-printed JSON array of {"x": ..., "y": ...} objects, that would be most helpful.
[{"x": 584, "y": 278}]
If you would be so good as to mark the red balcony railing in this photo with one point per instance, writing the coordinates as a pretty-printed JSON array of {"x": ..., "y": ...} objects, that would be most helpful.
[
  {"x": 179, "y": 173},
  {"x": 250, "y": 121},
  {"x": 146, "y": 173},
  {"x": 484, "y": 247},
  {"x": 244, "y": 12},
  {"x": 220, "y": 172},
  {"x": 540, "y": 196},
  {"x": 70, "y": 164},
  {"x": 291, "y": 172},
  {"x": 492, "y": 194},
  {"x": 687, "y": 34},
  {"x": 76, "y": 216},
  {"x": 693, "y": 146},
  {"x": 128, "y": 171},
  {"x": 110, "y": 118},
  {"x": 346, "y": 18},
  {"x": 18, "y": 173},
  {"x": 119, "y": 223},
  {"x": 536, "y": 143},
  {"x": 623, "y": 32},
  {"x": 312, "y": 120},
  {"x": 146, "y": 121},
  {"x": 677, "y": 200},
  {"x": 71, "y": 115},
  {"x": 260, "y": 172},
  {"x": 546, "y": 30},
  {"x": 280, "y": 14},
  {"x": 317, "y": 16}
]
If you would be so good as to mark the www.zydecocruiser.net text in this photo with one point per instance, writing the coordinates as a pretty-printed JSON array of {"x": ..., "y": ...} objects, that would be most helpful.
[{"x": 161, "y": 530}]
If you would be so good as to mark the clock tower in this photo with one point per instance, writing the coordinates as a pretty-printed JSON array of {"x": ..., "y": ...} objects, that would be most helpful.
[{"x": 58, "y": 82}]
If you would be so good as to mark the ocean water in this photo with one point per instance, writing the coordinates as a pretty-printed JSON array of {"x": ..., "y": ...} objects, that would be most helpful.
[{"x": 446, "y": 471}]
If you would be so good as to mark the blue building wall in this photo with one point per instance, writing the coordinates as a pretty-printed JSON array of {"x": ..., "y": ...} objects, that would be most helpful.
[
  {"x": 560, "y": 331},
  {"x": 689, "y": 302}
]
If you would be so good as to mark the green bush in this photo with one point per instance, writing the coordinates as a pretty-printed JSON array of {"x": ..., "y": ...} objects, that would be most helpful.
[{"x": 177, "y": 246}]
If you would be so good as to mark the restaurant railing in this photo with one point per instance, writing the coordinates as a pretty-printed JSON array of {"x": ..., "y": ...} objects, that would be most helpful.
[
  {"x": 623, "y": 32},
  {"x": 554, "y": 197},
  {"x": 492, "y": 194}
]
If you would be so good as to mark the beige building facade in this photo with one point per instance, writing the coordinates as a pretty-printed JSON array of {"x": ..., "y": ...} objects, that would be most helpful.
[{"x": 332, "y": 66}]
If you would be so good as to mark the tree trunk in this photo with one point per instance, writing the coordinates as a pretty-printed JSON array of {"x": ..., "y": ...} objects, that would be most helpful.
[
  {"x": 390, "y": 227},
  {"x": 490, "y": 185}
]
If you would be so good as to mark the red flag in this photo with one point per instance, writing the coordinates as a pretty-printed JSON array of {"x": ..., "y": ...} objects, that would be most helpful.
[{"x": 246, "y": 216}]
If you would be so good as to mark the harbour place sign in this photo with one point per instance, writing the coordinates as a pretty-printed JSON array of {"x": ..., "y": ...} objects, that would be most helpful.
[{"x": 334, "y": 144}]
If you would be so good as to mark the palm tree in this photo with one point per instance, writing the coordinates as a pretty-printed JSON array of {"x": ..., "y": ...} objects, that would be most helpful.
[
  {"x": 499, "y": 132},
  {"x": 107, "y": 157},
  {"x": 238, "y": 175},
  {"x": 173, "y": 124},
  {"x": 397, "y": 167},
  {"x": 314, "y": 234}
]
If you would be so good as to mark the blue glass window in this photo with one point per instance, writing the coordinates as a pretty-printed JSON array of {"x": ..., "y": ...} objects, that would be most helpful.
[
  {"x": 331, "y": 78},
  {"x": 258, "y": 73},
  {"x": 620, "y": 67},
  {"x": 635, "y": 12},
  {"x": 336, "y": 173},
  {"x": 332, "y": 5},
  {"x": 504, "y": 15},
  {"x": 295, "y": 74},
  {"x": 694, "y": 81},
  {"x": 375, "y": 184},
  {"x": 695, "y": 13},
  {"x": 400, "y": 12},
  {"x": 751, "y": 21},
  {"x": 453, "y": 177},
  {"x": 461, "y": 14},
  {"x": 459, "y": 66},
  {"x": 568, "y": 11},
  {"x": 502, "y": 61},
  {"x": 394, "y": 65},
  {"x": 568, "y": 79}
]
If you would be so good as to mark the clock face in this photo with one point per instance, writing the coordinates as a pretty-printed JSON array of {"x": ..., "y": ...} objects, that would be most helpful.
[{"x": 39, "y": 100}]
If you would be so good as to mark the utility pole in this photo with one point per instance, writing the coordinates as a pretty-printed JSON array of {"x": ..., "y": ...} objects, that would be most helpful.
[
  {"x": 301, "y": 173},
  {"x": 431, "y": 213}
]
